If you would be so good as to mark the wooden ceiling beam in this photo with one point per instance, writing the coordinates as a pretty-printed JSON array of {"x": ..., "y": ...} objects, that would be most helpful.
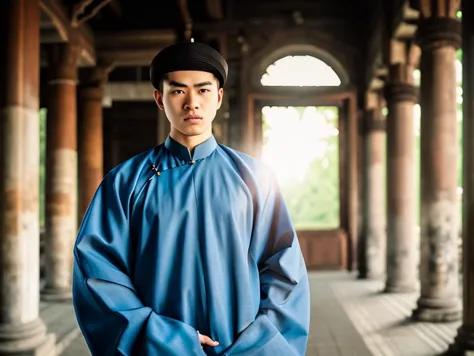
[
  {"x": 137, "y": 38},
  {"x": 214, "y": 9},
  {"x": 187, "y": 19},
  {"x": 128, "y": 57},
  {"x": 127, "y": 48},
  {"x": 236, "y": 26},
  {"x": 59, "y": 16},
  {"x": 116, "y": 8},
  {"x": 87, "y": 9}
]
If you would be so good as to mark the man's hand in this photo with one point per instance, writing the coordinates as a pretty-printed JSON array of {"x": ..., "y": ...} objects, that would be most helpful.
[{"x": 206, "y": 340}]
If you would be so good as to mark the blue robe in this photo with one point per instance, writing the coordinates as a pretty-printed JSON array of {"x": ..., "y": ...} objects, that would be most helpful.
[{"x": 174, "y": 243}]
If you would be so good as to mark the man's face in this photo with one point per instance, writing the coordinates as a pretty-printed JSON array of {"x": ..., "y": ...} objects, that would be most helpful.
[{"x": 190, "y": 100}]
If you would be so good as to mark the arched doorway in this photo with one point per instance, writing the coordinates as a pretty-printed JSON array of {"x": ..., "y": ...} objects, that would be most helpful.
[
  {"x": 300, "y": 126},
  {"x": 300, "y": 71}
]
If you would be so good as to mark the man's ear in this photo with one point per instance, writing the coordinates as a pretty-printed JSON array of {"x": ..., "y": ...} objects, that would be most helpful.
[
  {"x": 159, "y": 99},
  {"x": 220, "y": 95}
]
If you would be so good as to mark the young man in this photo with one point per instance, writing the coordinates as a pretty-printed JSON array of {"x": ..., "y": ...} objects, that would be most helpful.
[{"x": 188, "y": 248}]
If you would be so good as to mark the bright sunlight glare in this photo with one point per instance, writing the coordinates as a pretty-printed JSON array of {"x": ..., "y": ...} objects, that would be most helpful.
[
  {"x": 294, "y": 139},
  {"x": 300, "y": 144},
  {"x": 300, "y": 71}
]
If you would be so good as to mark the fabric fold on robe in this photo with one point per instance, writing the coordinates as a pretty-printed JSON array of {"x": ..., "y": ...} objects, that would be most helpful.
[
  {"x": 206, "y": 245},
  {"x": 112, "y": 317}
]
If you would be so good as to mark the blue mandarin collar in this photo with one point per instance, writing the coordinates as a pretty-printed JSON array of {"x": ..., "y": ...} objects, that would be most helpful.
[{"x": 181, "y": 152}]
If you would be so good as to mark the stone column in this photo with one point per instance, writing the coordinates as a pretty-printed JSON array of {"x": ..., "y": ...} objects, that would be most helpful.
[
  {"x": 61, "y": 171},
  {"x": 163, "y": 126},
  {"x": 22, "y": 332},
  {"x": 373, "y": 244},
  {"x": 348, "y": 179},
  {"x": 439, "y": 37},
  {"x": 343, "y": 158},
  {"x": 465, "y": 339},
  {"x": 401, "y": 96},
  {"x": 352, "y": 133},
  {"x": 222, "y": 133},
  {"x": 90, "y": 143}
]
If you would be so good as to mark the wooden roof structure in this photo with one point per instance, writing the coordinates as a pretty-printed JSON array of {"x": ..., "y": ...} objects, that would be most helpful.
[{"x": 128, "y": 33}]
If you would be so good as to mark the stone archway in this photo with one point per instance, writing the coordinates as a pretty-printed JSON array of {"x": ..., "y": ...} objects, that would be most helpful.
[
  {"x": 300, "y": 71},
  {"x": 273, "y": 53},
  {"x": 298, "y": 76}
]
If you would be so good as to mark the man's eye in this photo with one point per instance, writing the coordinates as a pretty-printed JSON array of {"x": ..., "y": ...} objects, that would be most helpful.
[
  {"x": 177, "y": 92},
  {"x": 204, "y": 90}
]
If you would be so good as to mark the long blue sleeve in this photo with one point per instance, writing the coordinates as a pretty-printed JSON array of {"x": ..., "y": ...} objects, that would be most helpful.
[
  {"x": 112, "y": 317},
  {"x": 206, "y": 246},
  {"x": 282, "y": 324}
]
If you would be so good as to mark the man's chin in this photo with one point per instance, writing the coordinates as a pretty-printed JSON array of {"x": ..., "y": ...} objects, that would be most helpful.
[{"x": 193, "y": 131}]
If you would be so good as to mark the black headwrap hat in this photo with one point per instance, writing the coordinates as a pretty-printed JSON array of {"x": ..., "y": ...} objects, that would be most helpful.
[{"x": 188, "y": 56}]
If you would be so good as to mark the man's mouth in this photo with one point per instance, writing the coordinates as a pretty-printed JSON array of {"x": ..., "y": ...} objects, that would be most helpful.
[{"x": 193, "y": 118}]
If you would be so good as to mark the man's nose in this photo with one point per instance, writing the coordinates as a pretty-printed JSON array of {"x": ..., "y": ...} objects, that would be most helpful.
[{"x": 191, "y": 102}]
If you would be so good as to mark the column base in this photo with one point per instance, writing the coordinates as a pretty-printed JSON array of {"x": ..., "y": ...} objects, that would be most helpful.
[
  {"x": 49, "y": 294},
  {"x": 370, "y": 276},
  {"x": 27, "y": 340},
  {"x": 400, "y": 289},
  {"x": 463, "y": 343},
  {"x": 437, "y": 311}
]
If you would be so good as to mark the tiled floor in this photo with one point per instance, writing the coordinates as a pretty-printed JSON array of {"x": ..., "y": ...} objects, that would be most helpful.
[
  {"x": 383, "y": 320},
  {"x": 331, "y": 330},
  {"x": 349, "y": 317}
]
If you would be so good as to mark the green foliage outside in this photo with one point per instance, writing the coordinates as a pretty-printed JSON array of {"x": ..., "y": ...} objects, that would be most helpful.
[{"x": 314, "y": 202}]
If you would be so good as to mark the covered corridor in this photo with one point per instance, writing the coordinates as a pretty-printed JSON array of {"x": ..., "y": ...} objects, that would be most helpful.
[{"x": 75, "y": 101}]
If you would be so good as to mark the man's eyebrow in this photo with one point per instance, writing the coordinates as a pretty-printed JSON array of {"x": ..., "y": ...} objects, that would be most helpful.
[
  {"x": 202, "y": 84},
  {"x": 173, "y": 83}
]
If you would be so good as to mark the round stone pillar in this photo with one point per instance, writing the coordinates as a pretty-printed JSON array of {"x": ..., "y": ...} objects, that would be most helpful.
[
  {"x": 90, "y": 145},
  {"x": 61, "y": 170},
  {"x": 439, "y": 38},
  {"x": 402, "y": 250},
  {"x": 373, "y": 245},
  {"x": 22, "y": 332}
]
